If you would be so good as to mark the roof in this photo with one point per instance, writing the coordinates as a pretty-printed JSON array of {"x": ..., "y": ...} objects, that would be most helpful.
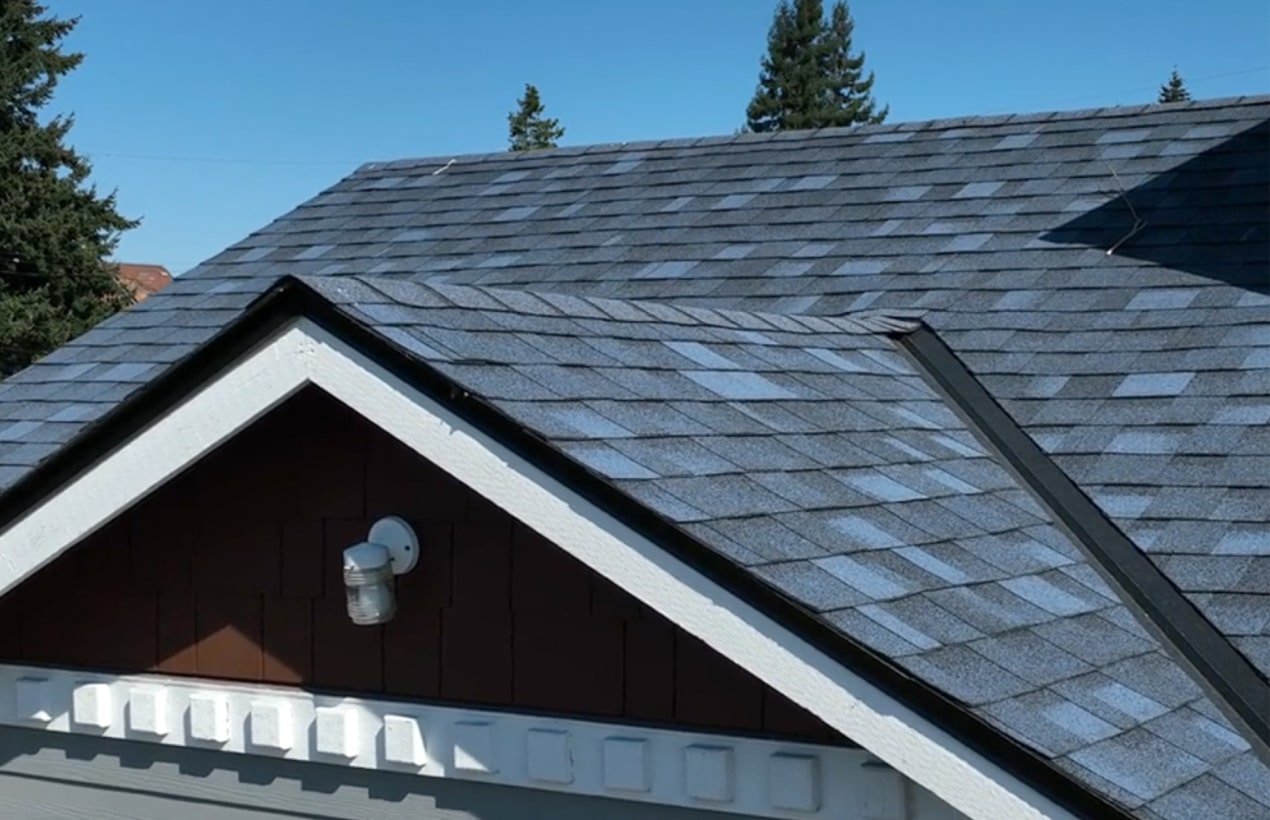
[
  {"x": 1155, "y": 400},
  {"x": 815, "y": 454},
  {"x": 144, "y": 280}
]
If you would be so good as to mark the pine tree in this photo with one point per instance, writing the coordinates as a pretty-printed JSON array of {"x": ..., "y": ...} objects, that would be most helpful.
[
  {"x": 527, "y": 128},
  {"x": 850, "y": 89},
  {"x": 1174, "y": 90},
  {"x": 809, "y": 77},
  {"x": 56, "y": 232}
]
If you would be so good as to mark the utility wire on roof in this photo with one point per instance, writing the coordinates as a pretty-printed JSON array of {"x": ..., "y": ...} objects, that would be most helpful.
[
  {"x": 1138, "y": 222},
  {"x": 333, "y": 162}
]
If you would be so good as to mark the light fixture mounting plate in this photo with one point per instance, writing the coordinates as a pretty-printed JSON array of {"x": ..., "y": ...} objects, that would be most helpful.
[{"x": 399, "y": 538}]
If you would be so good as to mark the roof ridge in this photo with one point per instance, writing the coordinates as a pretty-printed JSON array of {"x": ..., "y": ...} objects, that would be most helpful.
[
  {"x": 869, "y": 322},
  {"x": 442, "y": 162}
]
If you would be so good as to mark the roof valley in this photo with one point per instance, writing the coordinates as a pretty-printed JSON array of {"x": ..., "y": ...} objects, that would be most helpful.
[{"x": 1192, "y": 640}]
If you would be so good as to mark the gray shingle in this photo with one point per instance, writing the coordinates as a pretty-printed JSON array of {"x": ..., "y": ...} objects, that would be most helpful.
[
  {"x": 1031, "y": 657},
  {"x": 1052, "y": 723},
  {"x": 1206, "y": 796},
  {"x": 1140, "y": 763},
  {"x": 1202, "y": 736},
  {"x": 966, "y": 675}
]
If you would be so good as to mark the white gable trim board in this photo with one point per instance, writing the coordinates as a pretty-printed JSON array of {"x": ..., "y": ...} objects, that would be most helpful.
[
  {"x": 736, "y": 775},
  {"x": 305, "y": 353}
]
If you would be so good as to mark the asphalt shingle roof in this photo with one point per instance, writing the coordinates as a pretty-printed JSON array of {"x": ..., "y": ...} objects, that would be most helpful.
[
  {"x": 1144, "y": 372},
  {"x": 814, "y": 455},
  {"x": 714, "y": 390}
]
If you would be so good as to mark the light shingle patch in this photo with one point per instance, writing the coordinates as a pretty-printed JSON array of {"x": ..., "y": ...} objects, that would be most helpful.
[
  {"x": 905, "y": 630},
  {"x": 734, "y": 201},
  {"x": 591, "y": 424},
  {"x": 837, "y": 360},
  {"x": 1123, "y": 136},
  {"x": 875, "y": 582},
  {"x": 702, "y": 355},
  {"x": 1078, "y": 721},
  {"x": 967, "y": 242},
  {"x": 864, "y": 532},
  {"x": 608, "y": 462},
  {"x": 1245, "y": 541},
  {"x": 1162, "y": 299},
  {"x": 1123, "y": 505},
  {"x": 738, "y": 385},
  {"x": 1047, "y": 596},
  {"x": 907, "y": 193},
  {"x": 1015, "y": 141},
  {"x": 813, "y": 183},
  {"x": 516, "y": 213},
  {"x": 1143, "y": 442},
  {"x": 18, "y": 431},
  {"x": 735, "y": 252},
  {"x": 1153, "y": 384},
  {"x": 862, "y": 267},
  {"x": 1129, "y": 701},
  {"x": 880, "y": 487},
  {"x": 313, "y": 252},
  {"x": 933, "y": 565},
  {"x": 1258, "y": 359},
  {"x": 977, "y": 190}
]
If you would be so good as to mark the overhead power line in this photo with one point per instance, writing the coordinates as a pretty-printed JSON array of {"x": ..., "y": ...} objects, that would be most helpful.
[
  {"x": 1144, "y": 88},
  {"x": 220, "y": 160},
  {"x": 279, "y": 161}
]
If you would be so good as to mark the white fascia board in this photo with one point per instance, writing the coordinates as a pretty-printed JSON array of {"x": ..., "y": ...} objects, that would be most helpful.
[
  {"x": 306, "y": 352},
  {"x": 229, "y": 402}
]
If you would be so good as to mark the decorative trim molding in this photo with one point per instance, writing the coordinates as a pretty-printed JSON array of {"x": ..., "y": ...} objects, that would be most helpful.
[
  {"x": 306, "y": 353},
  {"x": 762, "y": 778}
]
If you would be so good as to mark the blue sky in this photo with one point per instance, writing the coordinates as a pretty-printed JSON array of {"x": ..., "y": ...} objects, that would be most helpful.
[{"x": 211, "y": 119}]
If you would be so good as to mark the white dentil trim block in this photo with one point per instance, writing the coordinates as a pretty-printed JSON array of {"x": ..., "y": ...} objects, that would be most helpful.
[
  {"x": 271, "y": 726},
  {"x": 92, "y": 705},
  {"x": 885, "y": 796},
  {"x": 747, "y": 776},
  {"x": 31, "y": 698},
  {"x": 793, "y": 782},
  {"x": 336, "y": 731},
  {"x": 209, "y": 717},
  {"x": 403, "y": 741},
  {"x": 474, "y": 748},
  {"x": 626, "y": 765},
  {"x": 148, "y": 710},
  {"x": 549, "y": 757},
  {"x": 708, "y": 773}
]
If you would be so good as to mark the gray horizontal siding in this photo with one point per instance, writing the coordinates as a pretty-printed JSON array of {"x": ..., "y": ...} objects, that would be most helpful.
[{"x": 46, "y": 776}]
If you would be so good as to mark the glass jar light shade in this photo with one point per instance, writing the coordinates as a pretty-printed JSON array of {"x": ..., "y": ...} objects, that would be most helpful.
[{"x": 369, "y": 584}]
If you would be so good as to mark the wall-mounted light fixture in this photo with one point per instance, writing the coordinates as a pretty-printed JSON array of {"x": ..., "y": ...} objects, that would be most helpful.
[{"x": 370, "y": 569}]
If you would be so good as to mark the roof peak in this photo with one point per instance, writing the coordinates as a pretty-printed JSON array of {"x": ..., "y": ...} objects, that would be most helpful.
[{"x": 444, "y": 161}]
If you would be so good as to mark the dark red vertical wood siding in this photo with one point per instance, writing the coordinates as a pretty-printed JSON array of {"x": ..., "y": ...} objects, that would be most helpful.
[{"x": 232, "y": 571}]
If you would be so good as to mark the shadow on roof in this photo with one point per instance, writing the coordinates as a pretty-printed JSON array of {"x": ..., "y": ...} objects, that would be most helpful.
[{"x": 1209, "y": 216}]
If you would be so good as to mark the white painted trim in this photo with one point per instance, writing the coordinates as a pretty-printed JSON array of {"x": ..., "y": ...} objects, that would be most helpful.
[
  {"x": 913, "y": 745},
  {"x": 228, "y": 403},
  {"x": 668, "y": 768}
]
